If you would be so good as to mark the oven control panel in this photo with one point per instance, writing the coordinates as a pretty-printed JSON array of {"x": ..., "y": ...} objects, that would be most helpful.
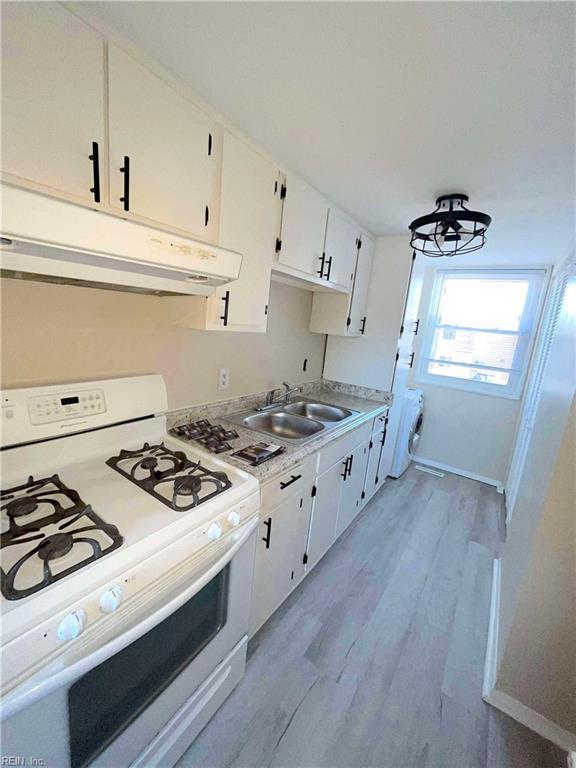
[{"x": 66, "y": 405}]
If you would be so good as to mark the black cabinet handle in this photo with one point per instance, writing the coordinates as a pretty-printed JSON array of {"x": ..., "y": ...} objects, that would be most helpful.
[
  {"x": 363, "y": 325},
  {"x": 329, "y": 264},
  {"x": 226, "y": 300},
  {"x": 266, "y": 539},
  {"x": 347, "y": 466},
  {"x": 322, "y": 261},
  {"x": 126, "y": 171},
  {"x": 206, "y": 216},
  {"x": 416, "y": 326},
  {"x": 95, "y": 157},
  {"x": 411, "y": 363},
  {"x": 351, "y": 462},
  {"x": 293, "y": 479}
]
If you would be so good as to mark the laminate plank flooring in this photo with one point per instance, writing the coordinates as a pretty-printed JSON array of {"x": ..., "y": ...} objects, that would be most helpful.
[{"x": 376, "y": 659}]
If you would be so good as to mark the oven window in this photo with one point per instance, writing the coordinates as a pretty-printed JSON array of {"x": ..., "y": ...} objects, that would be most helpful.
[{"x": 108, "y": 698}]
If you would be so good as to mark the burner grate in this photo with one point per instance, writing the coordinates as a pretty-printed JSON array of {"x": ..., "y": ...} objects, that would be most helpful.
[
  {"x": 170, "y": 476},
  {"x": 22, "y": 510}
]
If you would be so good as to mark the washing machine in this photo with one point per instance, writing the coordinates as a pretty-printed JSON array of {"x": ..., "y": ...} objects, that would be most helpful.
[{"x": 408, "y": 431}]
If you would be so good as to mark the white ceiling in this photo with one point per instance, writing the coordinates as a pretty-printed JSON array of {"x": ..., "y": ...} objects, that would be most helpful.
[{"x": 385, "y": 105}]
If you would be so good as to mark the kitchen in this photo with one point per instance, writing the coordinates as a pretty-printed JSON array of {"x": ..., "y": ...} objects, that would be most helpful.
[{"x": 231, "y": 388}]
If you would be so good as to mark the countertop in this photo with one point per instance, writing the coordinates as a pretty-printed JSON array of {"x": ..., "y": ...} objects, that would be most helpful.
[{"x": 368, "y": 408}]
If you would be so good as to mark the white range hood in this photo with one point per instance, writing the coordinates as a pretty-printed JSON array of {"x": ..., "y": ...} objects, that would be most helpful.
[{"x": 55, "y": 241}]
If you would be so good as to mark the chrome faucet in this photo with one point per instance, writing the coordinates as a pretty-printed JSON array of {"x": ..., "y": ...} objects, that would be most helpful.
[{"x": 271, "y": 400}]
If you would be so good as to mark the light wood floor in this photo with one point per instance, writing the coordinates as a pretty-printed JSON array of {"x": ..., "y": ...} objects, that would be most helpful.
[{"x": 376, "y": 659}]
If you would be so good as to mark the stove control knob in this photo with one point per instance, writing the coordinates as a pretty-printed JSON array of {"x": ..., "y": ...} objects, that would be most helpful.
[
  {"x": 214, "y": 532},
  {"x": 110, "y": 599},
  {"x": 73, "y": 625},
  {"x": 234, "y": 519}
]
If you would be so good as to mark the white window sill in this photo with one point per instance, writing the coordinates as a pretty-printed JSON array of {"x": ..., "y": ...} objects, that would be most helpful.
[{"x": 471, "y": 388}]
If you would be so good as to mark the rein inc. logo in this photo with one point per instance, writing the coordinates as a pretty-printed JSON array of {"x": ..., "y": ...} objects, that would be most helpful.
[{"x": 21, "y": 760}]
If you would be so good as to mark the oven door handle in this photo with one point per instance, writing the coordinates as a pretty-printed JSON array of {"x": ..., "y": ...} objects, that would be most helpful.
[{"x": 63, "y": 672}]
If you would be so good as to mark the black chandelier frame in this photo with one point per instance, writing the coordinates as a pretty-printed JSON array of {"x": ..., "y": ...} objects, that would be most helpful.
[{"x": 447, "y": 222}]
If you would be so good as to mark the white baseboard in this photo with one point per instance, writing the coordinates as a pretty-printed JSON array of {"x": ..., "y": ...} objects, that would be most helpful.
[
  {"x": 491, "y": 661},
  {"x": 532, "y": 719},
  {"x": 572, "y": 760},
  {"x": 457, "y": 471}
]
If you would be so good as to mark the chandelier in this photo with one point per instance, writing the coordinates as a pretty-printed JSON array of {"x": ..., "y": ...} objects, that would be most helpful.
[{"x": 450, "y": 229}]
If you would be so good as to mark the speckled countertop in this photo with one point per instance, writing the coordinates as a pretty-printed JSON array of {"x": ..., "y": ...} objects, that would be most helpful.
[{"x": 368, "y": 402}]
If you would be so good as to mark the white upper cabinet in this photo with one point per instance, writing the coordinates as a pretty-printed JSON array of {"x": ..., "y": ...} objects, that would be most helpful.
[
  {"x": 340, "y": 249},
  {"x": 250, "y": 211},
  {"x": 162, "y": 150},
  {"x": 304, "y": 215},
  {"x": 346, "y": 314},
  {"x": 52, "y": 101}
]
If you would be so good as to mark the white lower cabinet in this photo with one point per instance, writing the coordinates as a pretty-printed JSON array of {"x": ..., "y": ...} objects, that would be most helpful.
[
  {"x": 296, "y": 530},
  {"x": 378, "y": 462},
  {"x": 352, "y": 487},
  {"x": 280, "y": 551}
]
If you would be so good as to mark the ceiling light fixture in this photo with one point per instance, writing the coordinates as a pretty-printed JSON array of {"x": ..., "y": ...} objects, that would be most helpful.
[{"x": 450, "y": 229}]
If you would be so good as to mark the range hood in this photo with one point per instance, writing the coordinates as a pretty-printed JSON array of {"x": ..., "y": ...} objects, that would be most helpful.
[{"x": 55, "y": 241}]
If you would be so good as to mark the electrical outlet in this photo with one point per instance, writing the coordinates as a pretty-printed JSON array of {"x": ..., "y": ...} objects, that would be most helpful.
[{"x": 223, "y": 378}]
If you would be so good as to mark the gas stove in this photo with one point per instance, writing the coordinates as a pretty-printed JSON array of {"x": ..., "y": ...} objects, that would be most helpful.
[{"x": 88, "y": 495}]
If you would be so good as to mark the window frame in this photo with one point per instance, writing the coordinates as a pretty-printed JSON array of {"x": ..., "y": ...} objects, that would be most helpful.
[{"x": 538, "y": 277}]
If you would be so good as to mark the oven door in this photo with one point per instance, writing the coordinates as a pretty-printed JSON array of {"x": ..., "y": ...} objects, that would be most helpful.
[{"x": 143, "y": 696}]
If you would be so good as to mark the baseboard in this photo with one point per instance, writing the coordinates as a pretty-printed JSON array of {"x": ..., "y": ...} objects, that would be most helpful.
[
  {"x": 491, "y": 660},
  {"x": 572, "y": 760},
  {"x": 462, "y": 472},
  {"x": 532, "y": 719}
]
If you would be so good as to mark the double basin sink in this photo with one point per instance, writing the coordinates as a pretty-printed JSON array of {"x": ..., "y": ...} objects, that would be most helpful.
[{"x": 294, "y": 422}]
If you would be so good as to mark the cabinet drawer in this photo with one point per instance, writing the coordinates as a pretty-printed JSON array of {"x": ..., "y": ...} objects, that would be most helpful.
[
  {"x": 378, "y": 423},
  {"x": 296, "y": 480},
  {"x": 335, "y": 451}
]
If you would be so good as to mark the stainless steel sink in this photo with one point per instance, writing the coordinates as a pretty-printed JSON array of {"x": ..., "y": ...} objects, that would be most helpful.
[
  {"x": 295, "y": 422},
  {"x": 284, "y": 425},
  {"x": 318, "y": 411}
]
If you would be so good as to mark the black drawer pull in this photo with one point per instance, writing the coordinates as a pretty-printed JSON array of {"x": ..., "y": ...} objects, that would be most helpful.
[
  {"x": 351, "y": 462},
  {"x": 411, "y": 363},
  {"x": 226, "y": 300},
  {"x": 363, "y": 326},
  {"x": 266, "y": 539},
  {"x": 322, "y": 261},
  {"x": 95, "y": 157},
  {"x": 126, "y": 171},
  {"x": 293, "y": 479},
  {"x": 346, "y": 467},
  {"x": 416, "y": 326},
  {"x": 329, "y": 268}
]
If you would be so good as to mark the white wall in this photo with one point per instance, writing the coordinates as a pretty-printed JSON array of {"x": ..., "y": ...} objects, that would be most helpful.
[
  {"x": 539, "y": 661},
  {"x": 471, "y": 432},
  {"x": 53, "y": 333},
  {"x": 369, "y": 359}
]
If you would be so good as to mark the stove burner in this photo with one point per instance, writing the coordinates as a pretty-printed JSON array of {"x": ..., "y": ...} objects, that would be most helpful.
[
  {"x": 55, "y": 546},
  {"x": 52, "y": 507},
  {"x": 187, "y": 485},
  {"x": 150, "y": 462},
  {"x": 184, "y": 478},
  {"x": 21, "y": 507}
]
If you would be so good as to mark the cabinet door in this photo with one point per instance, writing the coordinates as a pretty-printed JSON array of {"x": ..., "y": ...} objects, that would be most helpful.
[
  {"x": 325, "y": 512},
  {"x": 352, "y": 487},
  {"x": 359, "y": 301},
  {"x": 281, "y": 542},
  {"x": 52, "y": 99},
  {"x": 304, "y": 217},
  {"x": 169, "y": 142},
  {"x": 341, "y": 248},
  {"x": 374, "y": 458},
  {"x": 249, "y": 220}
]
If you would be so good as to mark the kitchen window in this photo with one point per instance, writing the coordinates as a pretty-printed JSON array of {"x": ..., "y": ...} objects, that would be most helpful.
[{"x": 481, "y": 328}]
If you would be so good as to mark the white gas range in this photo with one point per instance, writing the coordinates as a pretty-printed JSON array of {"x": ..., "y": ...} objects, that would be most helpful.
[{"x": 126, "y": 567}]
